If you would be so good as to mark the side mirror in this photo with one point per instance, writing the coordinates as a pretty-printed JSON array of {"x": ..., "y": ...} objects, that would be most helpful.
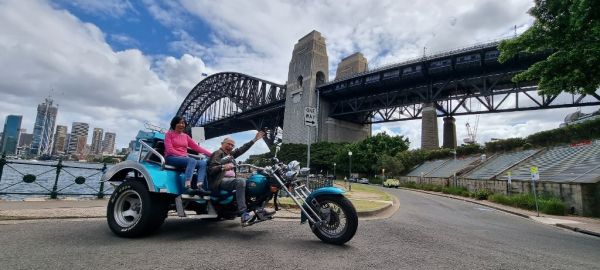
[{"x": 198, "y": 134}]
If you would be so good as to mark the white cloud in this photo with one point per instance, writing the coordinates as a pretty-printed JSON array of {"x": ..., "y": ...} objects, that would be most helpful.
[{"x": 116, "y": 90}]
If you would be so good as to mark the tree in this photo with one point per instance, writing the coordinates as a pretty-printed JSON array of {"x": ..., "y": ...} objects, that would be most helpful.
[
  {"x": 393, "y": 166},
  {"x": 366, "y": 153},
  {"x": 570, "y": 29}
]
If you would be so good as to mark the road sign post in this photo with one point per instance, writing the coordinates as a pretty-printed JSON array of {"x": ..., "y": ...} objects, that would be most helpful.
[
  {"x": 310, "y": 120},
  {"x": 535, "y": 176}
]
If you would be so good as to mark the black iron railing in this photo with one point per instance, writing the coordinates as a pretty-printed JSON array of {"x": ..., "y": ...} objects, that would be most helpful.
[{"x": 67, "y": 177}]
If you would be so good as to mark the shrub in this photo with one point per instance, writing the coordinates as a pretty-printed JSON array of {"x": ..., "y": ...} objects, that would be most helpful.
[
  {"x": 500, "y": 198},
  {"x": 552, "y": 206},
  {"x": 482, "y": 194},
  {"x": 456, "y": 191}
]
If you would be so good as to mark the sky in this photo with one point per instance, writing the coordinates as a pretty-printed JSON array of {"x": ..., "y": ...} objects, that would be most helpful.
[{"x": 118, "y": 64}]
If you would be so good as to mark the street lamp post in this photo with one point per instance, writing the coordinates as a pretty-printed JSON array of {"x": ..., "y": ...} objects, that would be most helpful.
[
  {"x": 382, "y": 176},
  {"x": 350, "y": 171},
  {"x": 334, "y": 178}
]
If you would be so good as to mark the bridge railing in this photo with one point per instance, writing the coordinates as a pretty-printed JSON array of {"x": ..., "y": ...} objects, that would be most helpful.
[{"x": 19, "y": 179}]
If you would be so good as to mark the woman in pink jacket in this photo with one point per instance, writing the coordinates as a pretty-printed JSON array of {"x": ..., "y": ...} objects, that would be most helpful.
[{"x": 176, "y": 145}]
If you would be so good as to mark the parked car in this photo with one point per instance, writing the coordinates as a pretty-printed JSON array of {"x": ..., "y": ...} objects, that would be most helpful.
[
  {"x": 363, "y": 181},
  {"x": 391, "y": 182}
]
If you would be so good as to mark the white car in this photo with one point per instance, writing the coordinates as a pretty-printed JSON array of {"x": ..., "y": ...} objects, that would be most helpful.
[{"x": 363, "y": 181}]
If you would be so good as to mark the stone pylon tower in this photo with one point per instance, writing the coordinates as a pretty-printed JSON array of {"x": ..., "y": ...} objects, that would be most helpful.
[
  {"x": 429, "y": 130},
  {"x": 309, "y": 67}
]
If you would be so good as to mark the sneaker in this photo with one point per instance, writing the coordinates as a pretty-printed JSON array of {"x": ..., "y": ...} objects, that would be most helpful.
[{"x": 247, "y": 216}]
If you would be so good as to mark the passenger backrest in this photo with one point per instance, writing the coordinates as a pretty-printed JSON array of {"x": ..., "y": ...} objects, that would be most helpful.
[{"x": 159, "y": 146}]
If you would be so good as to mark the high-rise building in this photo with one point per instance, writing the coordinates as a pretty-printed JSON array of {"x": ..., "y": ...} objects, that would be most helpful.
[
  {"x": 25, "y": 140},
  {"x": 43, "y": 130},
  {"x": 108, "y": 145},
  {"x": 96, "y": 147},
  {"x": 78, "y": 138},
  {"x": 11, "y": 134},
  {"x": 60, "y": 140}
]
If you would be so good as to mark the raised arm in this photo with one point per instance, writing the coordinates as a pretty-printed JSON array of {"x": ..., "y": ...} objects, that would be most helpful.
[{"x": 192, "y": 144}]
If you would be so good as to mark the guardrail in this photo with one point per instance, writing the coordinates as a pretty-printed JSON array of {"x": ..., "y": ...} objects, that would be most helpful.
[{"x": 30, "y": 178}]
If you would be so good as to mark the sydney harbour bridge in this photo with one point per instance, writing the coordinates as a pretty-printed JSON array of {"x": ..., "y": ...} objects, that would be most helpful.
[{"x": 452, "y": 83}]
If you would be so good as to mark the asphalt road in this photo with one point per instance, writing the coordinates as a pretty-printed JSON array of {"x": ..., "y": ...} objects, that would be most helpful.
[{"x": 427, "y": 232}]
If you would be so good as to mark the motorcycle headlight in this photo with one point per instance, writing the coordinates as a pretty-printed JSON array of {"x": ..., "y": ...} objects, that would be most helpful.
[{"x": 294, "y": 166}]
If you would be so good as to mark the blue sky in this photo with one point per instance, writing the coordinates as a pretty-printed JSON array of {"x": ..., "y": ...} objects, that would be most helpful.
[{"x": 116, "y": 64}]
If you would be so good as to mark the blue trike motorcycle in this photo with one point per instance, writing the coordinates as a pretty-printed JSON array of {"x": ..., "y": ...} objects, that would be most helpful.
[{"x": 146, "y": 189}]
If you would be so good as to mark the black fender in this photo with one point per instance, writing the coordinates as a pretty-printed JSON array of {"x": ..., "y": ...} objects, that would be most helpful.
[{"x": 119, "y": 171}]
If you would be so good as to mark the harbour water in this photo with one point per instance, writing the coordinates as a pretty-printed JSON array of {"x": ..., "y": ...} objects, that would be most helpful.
[{"x": 14, "y": 187}]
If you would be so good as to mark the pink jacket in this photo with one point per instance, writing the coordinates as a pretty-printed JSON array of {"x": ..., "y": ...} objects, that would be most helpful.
[{"x": 176, "y": 145}]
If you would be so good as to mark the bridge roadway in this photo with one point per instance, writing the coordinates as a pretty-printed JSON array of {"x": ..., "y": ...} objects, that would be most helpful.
[{"x": 427, "y": 232}]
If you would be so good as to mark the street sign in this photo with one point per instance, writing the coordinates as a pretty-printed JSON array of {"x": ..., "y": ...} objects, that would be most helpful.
[
  {"x": 535, "y": 175},
  {"x": 310, "y": 116}
]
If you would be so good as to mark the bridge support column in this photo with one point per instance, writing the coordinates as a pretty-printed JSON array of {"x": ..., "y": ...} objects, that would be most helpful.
[
  {"x": 429, "y": 129},
  {"x": 308, "y": 69},
  {"x": 449, "y": 133}
]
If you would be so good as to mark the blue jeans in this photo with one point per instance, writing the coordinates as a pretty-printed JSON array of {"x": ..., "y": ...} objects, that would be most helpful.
[{"x": 189, "y": 164}]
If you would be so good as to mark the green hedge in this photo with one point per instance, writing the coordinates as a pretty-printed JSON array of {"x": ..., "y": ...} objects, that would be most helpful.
[{"x": 547, "y": 204}]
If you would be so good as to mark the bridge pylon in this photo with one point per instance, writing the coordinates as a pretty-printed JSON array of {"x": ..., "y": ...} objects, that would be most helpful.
[{"x": 308, "y": 69}]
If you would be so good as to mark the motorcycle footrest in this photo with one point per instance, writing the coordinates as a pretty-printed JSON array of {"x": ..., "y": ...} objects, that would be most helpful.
[{"x": 179, "y": 206}]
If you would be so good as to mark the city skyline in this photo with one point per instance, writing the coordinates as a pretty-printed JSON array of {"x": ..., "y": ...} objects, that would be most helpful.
[{"x": 61, "y": 141}]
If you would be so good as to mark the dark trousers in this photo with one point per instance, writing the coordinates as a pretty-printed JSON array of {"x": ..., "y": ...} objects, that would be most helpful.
[{"x": 239, "y": 185}]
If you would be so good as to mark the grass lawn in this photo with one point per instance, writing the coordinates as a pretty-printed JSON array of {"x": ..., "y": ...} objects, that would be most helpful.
[{"x": 363, "y": 197}]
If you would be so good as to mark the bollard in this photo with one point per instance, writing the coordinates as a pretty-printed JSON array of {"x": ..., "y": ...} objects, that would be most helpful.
[
  {"x": 54, "y": 194},
  {"x": 101, "y": 192},
  {"x": 2, "y": 162}
]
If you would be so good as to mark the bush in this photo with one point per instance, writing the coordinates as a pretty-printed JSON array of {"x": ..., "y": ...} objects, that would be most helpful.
[
  {"x": 460, "y": 191},
  {"x": 552, "y": 206},
  {"x": 547, "y": 204},
  {"x": 500, "y": 198},
  {"x": 482, "y": 194}
]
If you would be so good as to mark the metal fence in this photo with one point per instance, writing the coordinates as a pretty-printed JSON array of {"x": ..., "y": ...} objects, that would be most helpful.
[{"x": 25, "y": 178}]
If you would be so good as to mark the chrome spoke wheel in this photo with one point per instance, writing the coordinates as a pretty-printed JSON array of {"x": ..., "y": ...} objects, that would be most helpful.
[{"x": 334, "y": 219}]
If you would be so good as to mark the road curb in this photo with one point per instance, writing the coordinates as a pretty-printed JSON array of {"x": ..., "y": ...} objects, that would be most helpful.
[
  {"x": 560, "y": 225},
  {"x": 577, "y": 229}
]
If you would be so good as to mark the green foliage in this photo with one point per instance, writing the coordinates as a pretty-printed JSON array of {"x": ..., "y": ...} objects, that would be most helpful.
[
  {"x": 552, "y": 206},
  {"x": 571, "y": 31},
  {"x": 393, "y": 166},
  {"x": 460, "y": 191},
  {"x": 504, "y": 145},
  {"x": 367, "y": 153},
  {"x": 481, "y": 194},
  {"x": 547, "y": 204},
  {"x": 469, "y": 149},
  {"x": 584, "y": 131}
]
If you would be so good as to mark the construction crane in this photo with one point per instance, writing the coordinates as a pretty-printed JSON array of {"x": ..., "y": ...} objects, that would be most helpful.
[{"x": 472, "y": 132}]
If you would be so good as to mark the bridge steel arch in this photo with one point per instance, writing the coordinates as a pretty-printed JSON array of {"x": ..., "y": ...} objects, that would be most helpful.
[{"x": 253, "y": 103}]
